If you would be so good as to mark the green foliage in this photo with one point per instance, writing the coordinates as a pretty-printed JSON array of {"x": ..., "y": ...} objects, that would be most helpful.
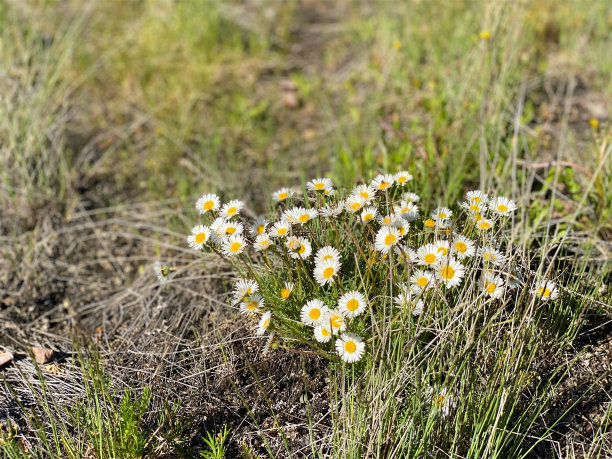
[{"x": 216, "y": 444}]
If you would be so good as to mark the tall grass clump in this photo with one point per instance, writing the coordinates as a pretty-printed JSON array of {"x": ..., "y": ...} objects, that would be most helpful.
[{"x": 435, "y": 324}]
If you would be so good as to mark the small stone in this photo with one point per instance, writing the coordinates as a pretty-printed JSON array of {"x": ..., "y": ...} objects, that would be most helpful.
[
  {"x": 6, "y": 357},
  {"x": 41, "y": 354}
]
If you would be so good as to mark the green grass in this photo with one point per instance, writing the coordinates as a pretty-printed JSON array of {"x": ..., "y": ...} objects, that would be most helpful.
[{"x": 114, "y": 103}]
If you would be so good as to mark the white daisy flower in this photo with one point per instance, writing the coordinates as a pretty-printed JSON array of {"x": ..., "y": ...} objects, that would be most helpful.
[
  {"x": 402, "y": 178},
  {"x": 513, "y": 277},
  {"x": 292, "y": 215},
  {"x": 463, "y": 247},
  {"x": 484, "y": 224},
  {"x": 244, "y": 288},
  {"x": 299, "y": 248},
  {"x": 285, "y": 293},
  {"x": 421, "y": 280},
  {"x": 405, "y": 300},
  {"x": 429, "y": 224},
  {"x": 476, "y": 196},
  {"x": 333, "y": 319},
  {"x": 331, "y": 211},
  {"x": 217, "y": 223},
  {"x": 322, "y": 333},
  {"x": 386, "y": 220},
  {"x": 352, "y": 304},
  {"x": 354, "y": 204},
  {"x": 491, "y": 255},
  {"x": 441, "y": 213},
  {"x": 546, "y": 291},
  {"x": 259, "y": 227},
  {"x": 364, "y": 191},
  {"x": 350, "y": 347},
  {"x": 442, "y": 247},
  {"x": 325, "y": 271},
  {"x": 492, "y": 285},
  {"x": 408, "y": 210},
  {"x": 502, "y": 206},
  {"x": 312, "y": 312},
  {"x": 368, "y": 214},
  {"x": 232, "y": 208},
  {"x": 161, "y": 271},
  {"x": 306, "y": 215},
  {"x": 428, "y": 255},
  {"x": 327, "y": 253},
  {"x": 411, "y": 197},
  {"x": 199, "y": 236},
  {"x": 442, "y": 402},
  {"x": 282, "y": 194},
  {"x": 402, "y": 225},
  {"x": 407, "y": 253},
  {"x": 280, "y": 229},
  {"x": 228, "y": 228},
  {"x": 233, "y": 245},
  {"x": 383, "y": 182},
  {"x": 450, "y": 272},
  {"x": 386, "y": 238},
  {"x": 320, "y": 184},
  {"x": 474, "y": 207},
  {"x": 262, "y": 242},
  {"x": 264, "y": 323},
  {"x": 252, "y": 305},
  {"x": 208, "y": 202}
]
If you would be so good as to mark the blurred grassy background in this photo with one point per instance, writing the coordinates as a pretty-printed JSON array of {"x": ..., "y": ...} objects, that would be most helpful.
[{"x": 161, "y": 99}]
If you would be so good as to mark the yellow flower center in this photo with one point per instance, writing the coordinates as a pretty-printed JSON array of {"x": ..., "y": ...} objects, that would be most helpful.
[
  {"x": 390, "y": 239},
  {"x": 490, "y": 287},
  {"x": 252, "y": 306},
  {"x": 476, "y": 199},
  {"x": 285, "y": 293},
  {"x": 477, "y": 217},
  {"x": 461, "y": 247},
  {"x": 325, "y": 332},
  {"x": 230, "y": 230},
  {"x": 438, "y": 400},
  {"x": 352, "y": 304},
  {"x": 422, "y": 281},
  {"x": 364, "y": 194},
  {"x": 475, "y": 208},
  {"x": 401, "y": 179},
  {"x": 430, "y": 258},
  {"x": 200, "y": 237},
  {"x": 386, "y": 220},
  {"x": 319, "y": 186},
  {"x": 484, "y": 225},
  {"x": 447, "y": 272},
  {"x": 235, "y": 247},
  {"x": 231, "y": 211},
  {"x": 383, "y": 185},
  {"x": 350, "y": 347},
  {"x": 314, "y": 314},
  {"x": 260, "y": 229},
  {"x": 302, "y": 249},
  {"x": 327, "y": 257},
  {"x": 443, "y": 215},
  {"x": 208, "y": 205},
  {"x": 545, "y": 292},
  {"x": 266, "y": 323},
  {"x": 443, "y": 250},
  {"x": 304, "y": 218},
  {"x": 283, "y": 195},
  {"x": 429, "y": 222},
  {"x": 502, "y": 208},
  {"x": 489, "y": 256},
  {"x": 368, "y": 217},
  {"x": 336, "y": 321},
  {"x": 281, "y": 231},
  {"x": 328, "y": 272},
  {"x": 355, "y": 206}
]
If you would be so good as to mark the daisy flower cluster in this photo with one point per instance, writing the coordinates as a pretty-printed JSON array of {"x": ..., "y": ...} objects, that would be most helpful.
[{"x": 324, "y": 265}]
